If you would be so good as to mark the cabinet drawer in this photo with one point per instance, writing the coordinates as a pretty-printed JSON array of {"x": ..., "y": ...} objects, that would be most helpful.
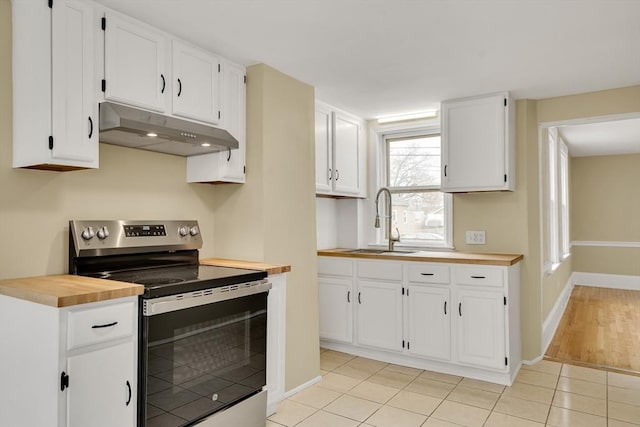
[
  {"x": 428, "y": 273},
  {"x": 100, "y": 324},
  {"x": 479, "y": 276},
  {"x": 335, "y": 267},
  {"x": 380, "y": 270}
]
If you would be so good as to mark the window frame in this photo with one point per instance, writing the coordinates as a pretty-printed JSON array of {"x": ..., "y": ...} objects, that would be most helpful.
[
  {"x": 556, "y": 201},
  {"x": 379, "y": 177}
]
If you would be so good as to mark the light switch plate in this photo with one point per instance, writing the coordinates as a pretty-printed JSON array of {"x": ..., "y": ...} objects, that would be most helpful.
[{"x": 475, "y": 237}]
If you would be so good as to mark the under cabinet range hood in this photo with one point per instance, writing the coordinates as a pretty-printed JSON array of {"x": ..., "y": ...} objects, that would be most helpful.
[{"x": 136, "y": 128}]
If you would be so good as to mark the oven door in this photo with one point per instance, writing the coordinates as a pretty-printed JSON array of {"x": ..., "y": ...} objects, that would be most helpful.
[{"x": 201, "y": 353}]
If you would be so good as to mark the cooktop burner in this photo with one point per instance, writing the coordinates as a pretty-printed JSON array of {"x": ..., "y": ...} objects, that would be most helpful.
[{"x": 161, "y": 281}]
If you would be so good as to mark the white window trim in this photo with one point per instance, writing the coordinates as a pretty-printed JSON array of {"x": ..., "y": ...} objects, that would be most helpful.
[
  {"x": 556, "y": 245},
  {"x": 377, "y": 179}
]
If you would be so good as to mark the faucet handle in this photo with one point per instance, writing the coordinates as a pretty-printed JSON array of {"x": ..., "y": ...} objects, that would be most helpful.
[{"x": 395, "y": 239}]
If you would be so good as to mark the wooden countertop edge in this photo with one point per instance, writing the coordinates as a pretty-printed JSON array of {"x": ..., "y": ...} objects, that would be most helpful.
[
  {"x": 67, "y": 290},
  {"x": 250, "y": 265},
  {"x": 444, "y": 257}
]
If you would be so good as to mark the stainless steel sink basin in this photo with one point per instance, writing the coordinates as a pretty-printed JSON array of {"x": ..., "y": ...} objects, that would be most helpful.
[
  {"x": 378, "y": 252},
  {"x": 366, "y": 251}
]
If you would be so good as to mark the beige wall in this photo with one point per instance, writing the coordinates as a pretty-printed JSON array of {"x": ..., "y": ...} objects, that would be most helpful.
[
  {"x": 35, "y": 206},
  {"x": 605, "y": 206},
  {"x": 272, "y": 216}
]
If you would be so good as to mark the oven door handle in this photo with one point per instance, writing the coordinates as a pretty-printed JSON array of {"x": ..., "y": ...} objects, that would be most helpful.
[{"x": 155, "y": 306}]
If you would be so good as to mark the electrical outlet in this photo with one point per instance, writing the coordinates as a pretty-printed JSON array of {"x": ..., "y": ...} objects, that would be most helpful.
[{"x": 476, "y": 237}]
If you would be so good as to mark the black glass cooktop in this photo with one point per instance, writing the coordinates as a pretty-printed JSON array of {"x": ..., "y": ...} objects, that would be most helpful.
[{"x": 162, "y": 281}]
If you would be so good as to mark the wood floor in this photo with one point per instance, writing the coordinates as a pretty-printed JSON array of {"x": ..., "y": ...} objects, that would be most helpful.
[{"x": 599, "y": 328}]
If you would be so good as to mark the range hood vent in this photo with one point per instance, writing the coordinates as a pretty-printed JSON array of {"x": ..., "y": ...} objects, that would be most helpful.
[{"x": 135, "y": 128}]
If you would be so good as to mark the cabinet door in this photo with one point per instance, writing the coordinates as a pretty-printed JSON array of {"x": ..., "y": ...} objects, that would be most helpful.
[
  {"x": 335, "y": 298},
  {"x": 74, "y": 109},
  {"x": 324, "y": 140},
  {"x": 480, "y": 319},
  {"x": 346, "y": 154},
  {"x": 429, "y": 326},
  {"x": 474, "y": 144},
  {"x": 234, "y": 111},
  {"x": 379, "y": 315},
  {"x": 102, "y": 388},
  {"x": 195, "y": 84},
  {"x": 135, "y": 69}
]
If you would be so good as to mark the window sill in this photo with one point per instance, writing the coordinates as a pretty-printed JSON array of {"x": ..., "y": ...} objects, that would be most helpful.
[{"x": 550, "y": 269}]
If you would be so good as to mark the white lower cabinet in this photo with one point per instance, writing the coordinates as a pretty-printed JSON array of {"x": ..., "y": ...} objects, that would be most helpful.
[
  {"x": 336, "y": 321},
  {"x": 429, "y": 321},
  {"x": 379, "y": 314},
  {"x": 459, "y": 319},
  {"x": 480, "y": 327},
  {"x": 112, "y": 402},
  {"x": 77, "y": 364}
]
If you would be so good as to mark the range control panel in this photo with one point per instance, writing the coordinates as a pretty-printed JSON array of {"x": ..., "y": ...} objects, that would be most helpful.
[
  {"x": 144, "y": 230},
  {"x": 92, "y": 237}
]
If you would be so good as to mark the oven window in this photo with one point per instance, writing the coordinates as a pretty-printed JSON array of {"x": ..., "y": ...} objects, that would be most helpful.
[{"x": 202, "y": 359}]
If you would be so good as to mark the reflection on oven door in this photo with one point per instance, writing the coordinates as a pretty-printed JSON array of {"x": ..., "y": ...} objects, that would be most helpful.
[{"x": 204, "y": 359}]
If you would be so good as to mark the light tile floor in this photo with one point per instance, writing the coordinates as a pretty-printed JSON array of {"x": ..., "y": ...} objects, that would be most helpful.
[{"x": 355, "y": 391}]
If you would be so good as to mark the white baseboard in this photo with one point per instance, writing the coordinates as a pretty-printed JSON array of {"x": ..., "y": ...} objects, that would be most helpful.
[
  {"x": 533, "y": 361},
  {"x": 613, "y": 281},
  {"x": 552, "y": 321},
  {"x": 301, "y": 387}
]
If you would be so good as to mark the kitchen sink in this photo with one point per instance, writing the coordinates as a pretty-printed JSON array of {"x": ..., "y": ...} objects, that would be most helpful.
[
  {"x": 379, "y": 252},
  {"x": 366, "y": 251}
]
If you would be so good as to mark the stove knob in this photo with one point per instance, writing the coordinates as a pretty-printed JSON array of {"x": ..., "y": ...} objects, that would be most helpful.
[
  {"x": 183, "y": 231},
  {"x": 87, "y": 233},
  {"x": 194, "y": 230},
  {"x": 103, "y": 233}
]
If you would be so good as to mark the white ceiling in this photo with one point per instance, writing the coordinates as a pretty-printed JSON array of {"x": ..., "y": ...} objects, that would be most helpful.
[
  {"x": 384, "y": 57},
  {"x": 605, "y": 138}
]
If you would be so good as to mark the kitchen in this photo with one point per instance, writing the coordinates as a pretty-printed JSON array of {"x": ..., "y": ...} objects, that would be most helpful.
[{"x": 38, "y": 204}]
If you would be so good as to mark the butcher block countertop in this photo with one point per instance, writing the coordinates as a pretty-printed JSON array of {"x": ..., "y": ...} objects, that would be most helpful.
[
  {"x": 432, "y": 256},
  {"x": 250, "y": 265},
  {"x": 66, "y": 290}
]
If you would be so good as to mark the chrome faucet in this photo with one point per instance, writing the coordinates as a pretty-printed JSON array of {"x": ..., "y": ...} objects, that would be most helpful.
[{"x": 392, "y": 239}]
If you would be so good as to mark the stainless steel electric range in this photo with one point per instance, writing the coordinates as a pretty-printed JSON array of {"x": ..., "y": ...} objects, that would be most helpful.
[{"x": 202, "y": 329}]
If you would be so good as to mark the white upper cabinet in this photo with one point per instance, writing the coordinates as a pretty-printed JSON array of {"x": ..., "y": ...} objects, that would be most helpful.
[
  {"x": 226, "y": 166},
  {"x": 340, "y": 153},
  {"x": 324, "y": 149},
  {"x": 55, "y": 113},
  {"x": 135, "y": 65},
  {"x": 347, "y": 154},
  {"x": 478, "y": 144},
  {"x": 196, "y": 76}
]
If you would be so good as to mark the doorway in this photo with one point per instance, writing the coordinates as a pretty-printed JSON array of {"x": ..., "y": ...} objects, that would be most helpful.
[{"x": 601, "y": 323}]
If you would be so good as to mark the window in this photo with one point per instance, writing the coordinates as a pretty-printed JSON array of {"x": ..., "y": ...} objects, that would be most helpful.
[
  {"x": 557, "y": 200},
  {"x": 411, "y": 171}
]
